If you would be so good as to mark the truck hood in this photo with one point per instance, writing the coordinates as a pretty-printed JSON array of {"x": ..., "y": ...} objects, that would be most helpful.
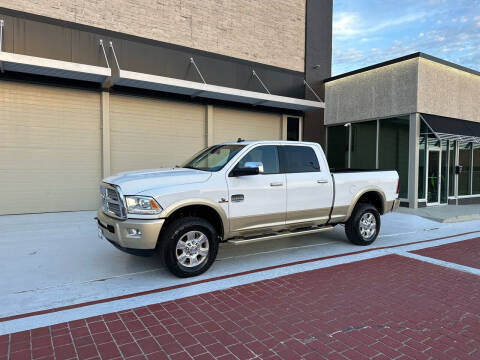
[{"x": 135, "y": 182}]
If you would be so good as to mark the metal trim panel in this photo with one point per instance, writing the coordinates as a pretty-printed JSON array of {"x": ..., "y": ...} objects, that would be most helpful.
[
  {"x": 185, "y": 87},
  {"x": 56, "y": 68}
]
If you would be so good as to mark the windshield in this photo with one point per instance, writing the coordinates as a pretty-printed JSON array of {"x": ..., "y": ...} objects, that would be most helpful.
[{"x": 213, "y": 158}]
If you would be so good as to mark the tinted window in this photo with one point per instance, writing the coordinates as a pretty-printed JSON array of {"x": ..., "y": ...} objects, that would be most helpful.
[
  {"x": 267, "y": 155},
  {"x": 298, "y": 159}
]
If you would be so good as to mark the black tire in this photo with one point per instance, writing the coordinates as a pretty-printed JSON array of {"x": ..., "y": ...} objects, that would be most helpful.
[
  {"x": 354, "y": 233},
  {"x": 177, "y": 231}
]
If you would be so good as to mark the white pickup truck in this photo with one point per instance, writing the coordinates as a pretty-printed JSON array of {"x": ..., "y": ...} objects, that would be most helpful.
[{"x": 240, "y": 192}]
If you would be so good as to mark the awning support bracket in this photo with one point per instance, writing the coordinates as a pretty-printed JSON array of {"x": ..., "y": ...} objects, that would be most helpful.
[
  {"x": 430, "y": 128},
  {"x": 114, "y": 55},
  {"x": 104, "y": 52},
  {"x": 198, "y": 70},
  {"x": 254, "y": 74},
  {"x": 196, "y": 93},
  {"x": 311, "y": 89}
]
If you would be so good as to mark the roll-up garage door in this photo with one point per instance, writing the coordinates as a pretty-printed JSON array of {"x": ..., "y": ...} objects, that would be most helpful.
[
  {"x": 231, "y": 124},
  {"x": 50, "y": 145},
  {"x": 151, "y": 133}
]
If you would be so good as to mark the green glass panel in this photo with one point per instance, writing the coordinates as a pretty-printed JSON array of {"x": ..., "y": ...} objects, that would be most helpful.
[
  {"x": 444, "y": 173},
  {"x": 364, "y": 145},
  {"x": 337, "y": 148},
  {"x": 464, "y": 160},
  {"x": 451, "y": 168},
  {"x": 393, "y": 149},
  {"x": 476, "y": 169}
]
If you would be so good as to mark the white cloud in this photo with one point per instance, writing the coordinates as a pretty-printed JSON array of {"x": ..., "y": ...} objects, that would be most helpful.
[{"x": 347, "y": 24}]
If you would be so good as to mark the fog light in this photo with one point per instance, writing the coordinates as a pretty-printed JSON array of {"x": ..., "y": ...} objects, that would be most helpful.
[{"x": 134, "y": 232}]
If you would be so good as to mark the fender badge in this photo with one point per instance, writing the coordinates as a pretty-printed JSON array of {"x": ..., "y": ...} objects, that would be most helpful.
[{"x": 223, "y": 200}]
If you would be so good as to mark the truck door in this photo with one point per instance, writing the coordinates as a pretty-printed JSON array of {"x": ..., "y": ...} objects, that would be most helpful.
[
  {"x": 257, "y": 201},
  {"x": 309, "y": 187}
]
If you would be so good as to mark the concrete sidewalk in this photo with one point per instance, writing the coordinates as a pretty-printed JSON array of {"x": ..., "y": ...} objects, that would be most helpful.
[{"x": 446, "y": 213}]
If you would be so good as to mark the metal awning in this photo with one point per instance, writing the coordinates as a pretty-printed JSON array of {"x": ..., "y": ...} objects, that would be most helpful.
[
  {"x": 192, "y": 88},
  {"x": 103, "y": 75},
  {"x": 56, "y": 68},
  {"x": 446, "y": 128}
]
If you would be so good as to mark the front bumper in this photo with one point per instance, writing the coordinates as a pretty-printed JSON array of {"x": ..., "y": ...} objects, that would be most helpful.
[
  {"x": 115, "y": 231},
  {"x": 396, "y": 204}
]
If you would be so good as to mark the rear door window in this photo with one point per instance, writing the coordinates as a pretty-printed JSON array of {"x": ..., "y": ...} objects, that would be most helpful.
[{"x": 299, "y": 159}]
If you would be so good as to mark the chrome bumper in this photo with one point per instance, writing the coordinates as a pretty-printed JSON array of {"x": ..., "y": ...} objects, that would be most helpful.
[{"x": 115, "y": 231}]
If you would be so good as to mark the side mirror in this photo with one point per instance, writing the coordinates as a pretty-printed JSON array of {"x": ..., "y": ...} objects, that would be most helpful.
[{"x": 250, "y": 168}]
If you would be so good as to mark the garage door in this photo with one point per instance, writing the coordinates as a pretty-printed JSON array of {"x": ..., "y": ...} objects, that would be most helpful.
[
  {"x": 151, "y": 133},
  {"x": 49, "y": 148},
  {"x": 230, "y": 124}
]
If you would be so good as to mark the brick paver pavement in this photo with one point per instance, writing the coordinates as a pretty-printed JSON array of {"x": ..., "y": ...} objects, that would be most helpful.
[
  {"x": 383, "y": 308},
  {"x": 464, "y": 253}
]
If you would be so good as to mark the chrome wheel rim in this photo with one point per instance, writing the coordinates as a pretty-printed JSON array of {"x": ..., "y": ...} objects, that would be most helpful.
[
  {"x": 192, "y": 249},
  {"x": 368, "y": 225}
]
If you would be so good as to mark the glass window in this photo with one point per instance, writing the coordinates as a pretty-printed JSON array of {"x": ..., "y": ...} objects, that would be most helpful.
[
  {"x": 213, "y": 158},
  {"x": 476, "y": 169},
  {"x": 293, "y": 128},
  {"x": 267, "y": 155},
  {"x": 393, "y": 149},
  {"x": 364, "y": 145},
  {"x": 299, "y": 159},
  {"x": 451, "y": 168},
  {"x": 422, "y": 162},
  {"x": 443, "y": 173},
  {"x": 464, "y": 160},
  {"x": 337, "y": 147}
]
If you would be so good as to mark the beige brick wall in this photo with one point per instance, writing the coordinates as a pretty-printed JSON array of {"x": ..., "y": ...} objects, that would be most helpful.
[{"x": 266, "y": 31}]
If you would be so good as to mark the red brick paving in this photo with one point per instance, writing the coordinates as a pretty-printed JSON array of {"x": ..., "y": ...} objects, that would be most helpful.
[
  {"x": 464, "y": 253},
  {"x": 384, "y": 308}
]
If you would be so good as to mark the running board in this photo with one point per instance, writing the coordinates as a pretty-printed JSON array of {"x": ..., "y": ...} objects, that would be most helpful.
[{"x": 241, "y": 241}]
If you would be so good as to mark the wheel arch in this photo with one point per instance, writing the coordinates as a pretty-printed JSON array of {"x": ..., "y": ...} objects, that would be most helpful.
[
  {"x": 208, "y": 210},
  {"x": 373, "y": 196}
]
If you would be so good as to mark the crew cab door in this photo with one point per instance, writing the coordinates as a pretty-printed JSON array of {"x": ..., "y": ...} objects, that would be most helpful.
[
  {"x": 257, "y": 201},
  {"x": 309, "y": 186}
]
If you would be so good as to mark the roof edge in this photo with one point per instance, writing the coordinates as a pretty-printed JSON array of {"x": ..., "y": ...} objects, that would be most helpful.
[{"x": 404, "y": 58}]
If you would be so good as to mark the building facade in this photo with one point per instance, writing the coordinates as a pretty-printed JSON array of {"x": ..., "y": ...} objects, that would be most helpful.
[
  {"x": 93, "y": 88},
  {"x": 419, "y": 115}
]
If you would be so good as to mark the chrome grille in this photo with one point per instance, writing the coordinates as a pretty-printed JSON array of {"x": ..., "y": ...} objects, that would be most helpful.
[{"x": 112, "y": 201}]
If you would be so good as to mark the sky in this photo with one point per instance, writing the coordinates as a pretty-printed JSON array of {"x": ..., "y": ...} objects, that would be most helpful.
[{"x": 367, "y": 32}]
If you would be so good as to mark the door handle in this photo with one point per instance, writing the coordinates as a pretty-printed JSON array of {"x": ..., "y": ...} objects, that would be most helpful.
[
  {"x": 321, "y": 181},
  {"x": 276, "y": 184}
]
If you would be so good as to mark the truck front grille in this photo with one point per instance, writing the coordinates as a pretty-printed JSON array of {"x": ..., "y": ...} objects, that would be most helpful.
[{"x": 112, "y": 201}]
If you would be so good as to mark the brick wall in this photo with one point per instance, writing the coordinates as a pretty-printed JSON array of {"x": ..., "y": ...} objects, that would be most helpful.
[{"x": 266, "y": 31}]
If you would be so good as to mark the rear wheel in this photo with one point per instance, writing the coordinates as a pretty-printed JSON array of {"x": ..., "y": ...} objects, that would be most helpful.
[
  {"x": 364, "y": 225},
  {"x": 189, "y": 246}
]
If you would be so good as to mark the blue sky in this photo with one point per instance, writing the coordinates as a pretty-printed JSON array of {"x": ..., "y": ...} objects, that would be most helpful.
[{"x": 366, "y": 32}]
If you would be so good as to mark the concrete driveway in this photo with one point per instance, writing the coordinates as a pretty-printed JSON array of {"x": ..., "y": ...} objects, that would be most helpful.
[{"x": 56, "y": 260}]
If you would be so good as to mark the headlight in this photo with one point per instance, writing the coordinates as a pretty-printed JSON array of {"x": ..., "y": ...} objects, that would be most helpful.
[{"x": 142, "y": 205}]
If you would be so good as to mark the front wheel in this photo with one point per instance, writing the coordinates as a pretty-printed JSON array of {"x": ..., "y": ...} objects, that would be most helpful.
[
  {"x": 189, "y": 246},
  {"x": 364, "y": 225}
]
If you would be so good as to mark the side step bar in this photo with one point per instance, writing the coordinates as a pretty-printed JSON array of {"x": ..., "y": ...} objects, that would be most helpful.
[{"x": 241, "y": 241}]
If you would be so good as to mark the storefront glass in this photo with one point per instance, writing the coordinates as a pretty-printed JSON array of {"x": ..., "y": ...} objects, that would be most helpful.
[
  {"x": 451, "y": 168},
  {"x": 464, "y": 160},
  {"x": 364, "y": 145},
  {"x": 393, "y": 149},
  {"x": 476, "y": 169},
  {"x": 337, "y": 147},
  {"x": 422, "y": 162},
  {"x": 444, "y": 173}
]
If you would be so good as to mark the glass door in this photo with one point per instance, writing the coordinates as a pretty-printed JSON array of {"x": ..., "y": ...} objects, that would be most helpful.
[{"x": 433, "y": 176}]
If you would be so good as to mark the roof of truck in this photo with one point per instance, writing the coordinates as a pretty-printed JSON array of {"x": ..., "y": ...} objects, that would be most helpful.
[{"x": 276, "y": 142}]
